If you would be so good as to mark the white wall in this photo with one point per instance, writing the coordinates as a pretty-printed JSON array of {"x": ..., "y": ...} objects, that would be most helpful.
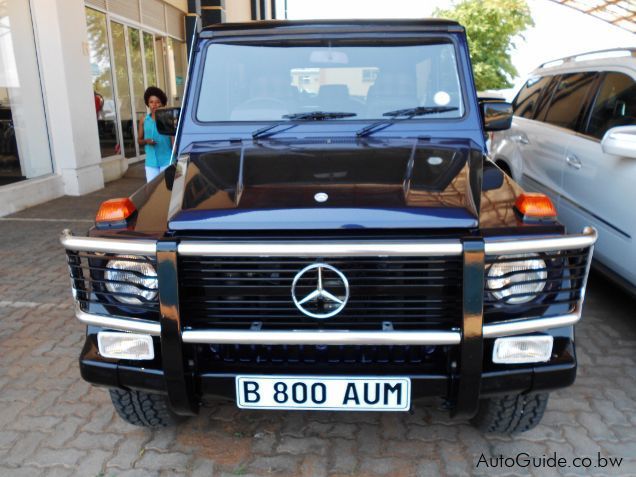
[{"x": 238, "y": 11}]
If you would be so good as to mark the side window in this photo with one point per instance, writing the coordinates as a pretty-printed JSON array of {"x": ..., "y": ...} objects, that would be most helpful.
[
  {"x": 615, "y": 105},
  {"x": 525, "y": 102},
  {"x": 569, "y": 99},
  {"x": 544, "y": 101}
]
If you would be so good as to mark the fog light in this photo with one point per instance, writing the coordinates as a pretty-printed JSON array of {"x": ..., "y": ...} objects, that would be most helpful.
[
  {"x": 125, "y": 345},
  {"x": 522, "y": 349}
]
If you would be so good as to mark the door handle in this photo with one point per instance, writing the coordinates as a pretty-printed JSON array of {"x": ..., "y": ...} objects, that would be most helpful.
[
  {"x": 520, "y": 138},
  {"x": 573, "y": 161}
]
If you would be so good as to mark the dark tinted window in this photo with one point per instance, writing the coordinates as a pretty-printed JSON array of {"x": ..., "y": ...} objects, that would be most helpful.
[
  {"x": 569, "y": 99},
  {"x": 615, "y": 105},
  {"x": 524, "y": 104},
  {"x": 544, "y": 100}
]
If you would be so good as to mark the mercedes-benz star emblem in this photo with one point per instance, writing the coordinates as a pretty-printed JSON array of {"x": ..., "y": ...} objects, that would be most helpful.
[{"x": 329, "y": 291}]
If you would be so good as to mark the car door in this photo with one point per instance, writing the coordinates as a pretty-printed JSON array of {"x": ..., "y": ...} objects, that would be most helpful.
[
  {"x": 599, "y": 188},
  {"x": 557, "y": 116}
]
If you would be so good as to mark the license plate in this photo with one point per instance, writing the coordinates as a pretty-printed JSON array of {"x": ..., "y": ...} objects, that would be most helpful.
[{"x": 323, "y": 393}]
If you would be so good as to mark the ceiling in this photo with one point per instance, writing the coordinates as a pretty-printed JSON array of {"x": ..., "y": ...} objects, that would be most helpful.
[{"x": 621, "y": 13}]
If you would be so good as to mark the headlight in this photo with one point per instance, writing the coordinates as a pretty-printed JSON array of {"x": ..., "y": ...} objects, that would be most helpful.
[
  {"x": 527, "y": 276},
  {"x": 126, "y": 275}
]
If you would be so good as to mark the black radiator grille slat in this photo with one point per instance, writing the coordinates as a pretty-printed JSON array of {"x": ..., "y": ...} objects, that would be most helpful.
[
  {"x": 408, "y": 291},
  {"x": 322, "y": 355}
]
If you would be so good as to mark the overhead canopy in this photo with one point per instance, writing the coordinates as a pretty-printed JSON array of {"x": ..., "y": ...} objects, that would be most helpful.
[{"x": 621, "y": 13}]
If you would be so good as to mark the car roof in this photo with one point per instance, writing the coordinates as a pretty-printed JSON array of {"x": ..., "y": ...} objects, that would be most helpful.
[
  {"x": 282, "y": 27},
  {"x": 600, "y": 60}
]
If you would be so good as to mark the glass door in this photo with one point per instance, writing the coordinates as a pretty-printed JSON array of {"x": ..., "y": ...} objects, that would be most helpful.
[
  {"x": 123, "y": 87},
  {"x": 137, "y": 71}
]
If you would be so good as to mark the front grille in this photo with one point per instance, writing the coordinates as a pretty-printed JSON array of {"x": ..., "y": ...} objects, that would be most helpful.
[
  {"x": 409, "y": 292},
  {"x": 322, "y": 358},
  {"x": 566, "y": 273},
  {"x": 91, "y": 286}
]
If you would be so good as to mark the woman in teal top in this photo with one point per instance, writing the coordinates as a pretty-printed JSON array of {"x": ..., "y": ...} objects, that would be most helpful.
[{"x": 157, "y": 146}]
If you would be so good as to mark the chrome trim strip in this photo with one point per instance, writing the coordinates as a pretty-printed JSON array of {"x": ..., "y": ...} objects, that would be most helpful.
[
  {"x": 323, "y": 249},
  {"x": 497, "y": 330},
  {"x": 107, "y": 245},
  {"x": 541, "y": 244},
  {"x": 323, "y": 337},
  {"x": 117, "y": 323},
  {"x": 344, "y": 337},
  {"x": 328, "y": 249}
]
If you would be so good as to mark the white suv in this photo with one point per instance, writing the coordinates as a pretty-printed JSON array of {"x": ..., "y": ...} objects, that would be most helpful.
[{"x": 573, "y": 137}]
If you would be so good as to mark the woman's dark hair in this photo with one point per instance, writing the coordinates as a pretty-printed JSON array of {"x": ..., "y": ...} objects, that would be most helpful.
[{"x": 154, "y": 91}]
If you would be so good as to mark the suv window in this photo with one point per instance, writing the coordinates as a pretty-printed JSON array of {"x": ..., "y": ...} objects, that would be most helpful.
[
  {"x": 569, "y": 99},
  {"x": 615, "y": 105},
  {"x": 524, "y": 104},
  {"x": 262, "y": 82}
]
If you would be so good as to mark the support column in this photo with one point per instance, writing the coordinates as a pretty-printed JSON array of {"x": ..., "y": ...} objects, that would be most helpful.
[
  {"x": 60, "y": 30},
  {"x": 212, "y": 11}
]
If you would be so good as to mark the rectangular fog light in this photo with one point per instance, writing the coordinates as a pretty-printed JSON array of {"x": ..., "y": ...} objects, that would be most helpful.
[
  {"x": 522, "y": 349},
  {"x": 125, "y": 345}
]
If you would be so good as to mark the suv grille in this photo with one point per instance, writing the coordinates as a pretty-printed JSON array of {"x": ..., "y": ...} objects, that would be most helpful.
[{"x": 409, "y": 292}]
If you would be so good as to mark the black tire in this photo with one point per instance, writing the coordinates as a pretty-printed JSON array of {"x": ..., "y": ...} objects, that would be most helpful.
[
  {"x": 510, "y": 414},
  {"x": 143, "y": 409}
]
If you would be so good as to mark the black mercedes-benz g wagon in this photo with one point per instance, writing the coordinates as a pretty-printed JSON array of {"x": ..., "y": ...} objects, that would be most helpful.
[{"x": 331, "y": 236}]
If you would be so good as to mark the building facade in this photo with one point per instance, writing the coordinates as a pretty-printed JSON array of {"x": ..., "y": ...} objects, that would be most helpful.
[{"x": 72, "y": 78}]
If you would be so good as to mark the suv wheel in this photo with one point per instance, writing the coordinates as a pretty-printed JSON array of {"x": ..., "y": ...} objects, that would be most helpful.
[
  {"x": 510, "y": 414},
  {"x": 143, "y": 409}
]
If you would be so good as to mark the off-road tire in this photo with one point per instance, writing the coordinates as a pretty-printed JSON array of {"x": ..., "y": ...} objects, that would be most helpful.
[
  {"x": 143, "y": 409},
  {"x": 510, "y": 414}
]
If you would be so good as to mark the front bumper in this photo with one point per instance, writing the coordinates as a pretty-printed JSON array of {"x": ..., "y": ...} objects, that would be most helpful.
[
  {"x": 467, "y": 376},
  {"x": 211, "y": 384}
]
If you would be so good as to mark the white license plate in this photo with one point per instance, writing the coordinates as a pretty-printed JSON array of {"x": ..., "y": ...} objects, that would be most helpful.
[{"x": 323, "y": 393}]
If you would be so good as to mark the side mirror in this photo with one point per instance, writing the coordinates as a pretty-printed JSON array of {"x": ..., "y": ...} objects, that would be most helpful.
[
  {"x": 497, "y": 115},
  {"x": 167, "y": 120},
  {"x": 620, "y": 141}
]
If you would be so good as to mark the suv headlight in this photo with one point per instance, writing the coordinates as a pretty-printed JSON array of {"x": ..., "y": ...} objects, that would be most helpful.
[
  {"x": 125, "y": 277},
  {"x": 526, "y": 276}
]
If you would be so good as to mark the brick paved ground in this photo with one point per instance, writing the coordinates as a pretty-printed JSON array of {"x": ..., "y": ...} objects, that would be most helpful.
[{"x": 52, "y": 423}]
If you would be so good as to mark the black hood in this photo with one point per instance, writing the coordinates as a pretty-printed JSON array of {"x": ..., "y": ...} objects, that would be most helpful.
[{"x": 328, "y": 184}]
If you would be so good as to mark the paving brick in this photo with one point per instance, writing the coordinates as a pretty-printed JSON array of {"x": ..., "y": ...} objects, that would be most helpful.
[
  {"x": 314, "y": 466},
  {"x": 302, "y": 445},
  {"x": 129, "y": 450},
  {"x": 46, "y": 457},
  {"x": 344, "y": 458},
  {"x": 26, "y": 446},
  {"x": 276, "y": 465},
  {"x": 151, "y": 460},
  {"x": 433, "y": 433}
]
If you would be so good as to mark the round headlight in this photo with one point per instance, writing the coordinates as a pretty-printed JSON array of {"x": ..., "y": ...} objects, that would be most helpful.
[
  {"x": 526, "y": 276},
  {"x": 130, "y": 277}
]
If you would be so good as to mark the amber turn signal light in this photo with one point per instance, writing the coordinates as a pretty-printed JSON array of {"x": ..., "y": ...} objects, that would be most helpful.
[
  {"x": 535, "y": 205},
  {"x": 115, "y": 210}
]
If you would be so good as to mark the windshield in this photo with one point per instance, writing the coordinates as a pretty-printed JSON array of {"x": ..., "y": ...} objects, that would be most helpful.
[{"x": 266, "y": 83}]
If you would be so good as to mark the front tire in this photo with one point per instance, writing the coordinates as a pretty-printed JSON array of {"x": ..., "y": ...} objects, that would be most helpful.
[
  {"x": 510, "y": 414},
  {"x": 143, "y": 409}
]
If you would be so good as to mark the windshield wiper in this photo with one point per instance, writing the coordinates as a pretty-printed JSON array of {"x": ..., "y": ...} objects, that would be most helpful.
[
  {"x": 402, "y": 115},
  {"x": 318, "y": 116},
  {"x": 311, "y": 116}
]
